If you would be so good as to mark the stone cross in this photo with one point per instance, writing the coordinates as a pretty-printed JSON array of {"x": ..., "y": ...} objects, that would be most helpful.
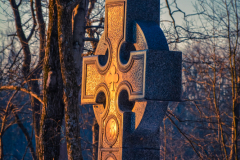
[{"x": 130, "y": 80}]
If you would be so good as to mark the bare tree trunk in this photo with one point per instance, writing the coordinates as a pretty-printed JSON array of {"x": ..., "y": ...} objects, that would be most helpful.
[
  {"x": 41, "y": 24},
  {"x": 22, "y": 38},
  {"x": 35, "y": 73},
  {"x": 70, "y": 86},
  {"x": 78, "y": 33},
  {"x": 95, "y": 133},
  {"x": 53, "y": 110},
  {"x": 36, "y": 105},
  {"x": 35, "y": 86}
]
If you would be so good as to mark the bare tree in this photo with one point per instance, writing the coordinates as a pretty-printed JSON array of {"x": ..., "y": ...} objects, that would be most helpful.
[
  {"x": 208, "y": 119},
  {"x": 62, "y": 59}
]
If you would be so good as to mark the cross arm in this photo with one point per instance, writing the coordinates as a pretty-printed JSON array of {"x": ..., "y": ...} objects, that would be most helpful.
[
  {"x": 93, "y": 80},
  {"x": 154, "y": 72}
]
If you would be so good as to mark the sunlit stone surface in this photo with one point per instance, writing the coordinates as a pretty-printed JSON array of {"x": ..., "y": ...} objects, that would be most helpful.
[
  {"x": 111, "y": 130},
  {"x": 130, "y": 80}
]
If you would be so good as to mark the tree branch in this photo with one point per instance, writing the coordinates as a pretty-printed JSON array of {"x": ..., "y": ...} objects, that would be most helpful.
[
  {"x": 190, "y": 142},
  {"x": 174, "y": 23},
  {"x": 91, "y": 39},
  {"x": 23, "y": 90},
  {"x": 25, "y": 132},
  {"x": 34, "y": 21},
  {"x": 94, "y": 27}
]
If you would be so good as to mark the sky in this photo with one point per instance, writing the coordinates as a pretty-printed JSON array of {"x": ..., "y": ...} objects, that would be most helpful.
[
  {"x": 185, "y": 5},
  {"x": 7, "y": 22}
]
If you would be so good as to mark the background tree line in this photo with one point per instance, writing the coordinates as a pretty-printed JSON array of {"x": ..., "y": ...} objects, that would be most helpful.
[
  {"x": 207, "y": 119},
  {"x": 41, "y": 77}
]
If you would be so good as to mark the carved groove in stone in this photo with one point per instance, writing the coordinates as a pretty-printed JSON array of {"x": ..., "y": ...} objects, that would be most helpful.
[
  {"x": 101, "y": 50},
  {"x": 98, "y": 111},
  {"x": 140, "y": 45},
  {"x": 110, "y": 157}
]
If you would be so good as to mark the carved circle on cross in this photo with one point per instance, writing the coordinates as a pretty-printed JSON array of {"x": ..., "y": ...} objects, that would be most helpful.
[
  {"x": 110, "y": 157},
  {"x": 111, "y": 130}
]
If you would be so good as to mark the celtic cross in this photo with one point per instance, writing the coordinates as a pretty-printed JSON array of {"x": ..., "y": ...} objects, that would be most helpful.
[{"x": 130, "y": 80}]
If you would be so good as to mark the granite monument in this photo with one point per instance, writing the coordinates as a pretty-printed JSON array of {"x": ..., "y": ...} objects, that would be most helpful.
[{"x": 130, "y": 80}]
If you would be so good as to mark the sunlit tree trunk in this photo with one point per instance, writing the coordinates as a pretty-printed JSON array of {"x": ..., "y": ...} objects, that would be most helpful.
[
  {"x": 53, "y": 109},
  {"x": 70, "y": 86},
  {"x": 35, "y": 86}
]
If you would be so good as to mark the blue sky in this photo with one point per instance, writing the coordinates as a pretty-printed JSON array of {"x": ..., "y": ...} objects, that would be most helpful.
[
  {"x": 185, "y": 5},
  {"x": 7, "y": 23}
]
